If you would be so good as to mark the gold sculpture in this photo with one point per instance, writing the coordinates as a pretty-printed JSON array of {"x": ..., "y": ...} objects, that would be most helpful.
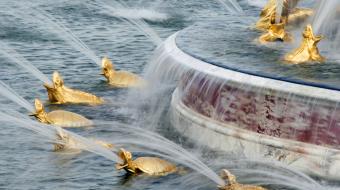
[
  {"x": 233, "y": 185},
  {"x": 60, "y": 94},
  {"x": 289, "y": 14},
  {"x": 121, "y": 79},
  {"x": 267, "y": 16},
  {"x": 276, "y": 32},
  {"x": 67, "y": 142},
  {"x": 148, "y": 165},
  {"x": 308, "y": 50},
  {"x": 60, "y": 118}
]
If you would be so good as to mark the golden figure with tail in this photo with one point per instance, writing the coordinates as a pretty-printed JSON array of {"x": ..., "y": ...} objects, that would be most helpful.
[
  {"x": 148, "y": 165},
  {"x": 120, "y": 79},
  {"x": 67, "y": 142},
  {"x": 289, "y": 14},
  {"x": 60, "y": 94},
  {"x": 59, "y": 118},
  {"x": 308, "y": 50},
  {"x": 276, "y": 32},
  {"x": 232, "y": 184}
]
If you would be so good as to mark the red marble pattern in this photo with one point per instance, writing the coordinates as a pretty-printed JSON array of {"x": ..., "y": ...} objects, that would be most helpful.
[{"x": 264, "y": 111}]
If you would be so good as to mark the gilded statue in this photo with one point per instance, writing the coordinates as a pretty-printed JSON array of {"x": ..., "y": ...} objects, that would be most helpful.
[
  {"x": 60, "y": 94},
  {"x": 289, "y": 14},
  {"x": 59, "y": 117},
  {"x": 148, "y": 165},
  {"x": 308, "y": 50},
  {"x": 67, "y": 142},
  {"x": 120, "y": 79},
  {"x": 276, "y": 32},
  {"x": 232, "y": 184}
]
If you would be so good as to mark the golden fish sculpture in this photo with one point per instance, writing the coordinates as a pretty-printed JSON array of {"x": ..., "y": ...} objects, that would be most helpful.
[
  {"x": 289, "y": 14},
  {"x": 67, "y": 142},
  {"x": 148, "y": 165},
  {"x": 59, "y": 118},
  {"x": 276, "y": 32},
  {"x": 308, "y": 50},
  {"x": 120, "y": 79},
  {"x": 232, "y": 184},
  {"x": 60, "y": 94}
]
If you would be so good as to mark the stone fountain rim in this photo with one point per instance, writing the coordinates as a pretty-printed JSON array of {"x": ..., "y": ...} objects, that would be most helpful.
[{"x": 251, "y": 79}]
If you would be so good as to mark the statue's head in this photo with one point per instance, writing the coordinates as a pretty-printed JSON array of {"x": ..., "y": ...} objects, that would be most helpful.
[
  {"x": 40, "y": 113},
  {"x": 308, "y": 32},
  {"x": 57, "y": 80},
  {"x": 107, "y": 67},
  {"x": 126, "y": 156},
  {"x": 39, "y": 107}
]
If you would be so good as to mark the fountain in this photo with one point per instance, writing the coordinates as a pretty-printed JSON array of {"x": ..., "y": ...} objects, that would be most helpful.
[
  {"x": 234, "y": 102},
  {"x": 243, "y": 98}
]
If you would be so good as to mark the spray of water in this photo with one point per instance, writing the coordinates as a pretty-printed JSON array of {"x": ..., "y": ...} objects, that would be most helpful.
[
  {"x": 234, "y": 8},
  {"x": 124, "y": 136},
  {"x": 55, "y": 26},
  {"x": 279, "y": 9},
  {"x": 324, "y": 14},
  {"x": 21, "y": 61},
  {"x": 50, "y": 132},
  {"x": 9, "y": 93},
  {"x": 153, "y": 143},
  {"x": 138, "y": 23}
]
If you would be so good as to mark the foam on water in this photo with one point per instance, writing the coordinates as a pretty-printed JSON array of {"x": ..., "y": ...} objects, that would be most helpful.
[
  {"x": 140, "y": 13},
  {"x": 257, "y": 3},
  {"x": 138, "y": 23}
]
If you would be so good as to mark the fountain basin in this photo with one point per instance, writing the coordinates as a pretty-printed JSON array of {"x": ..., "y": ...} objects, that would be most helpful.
[{"x": 293, "y": 119}]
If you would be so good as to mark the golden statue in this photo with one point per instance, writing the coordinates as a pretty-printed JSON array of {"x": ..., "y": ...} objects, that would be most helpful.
[
  {"x": 148, "y": 165},
  {"x": 308, "y": 50},
  {"x": 121, "y": 79},
  {"x": 60, "y": 118},
  {"x": 276, "y": 32},
  {"x": 60, "y": 94},
  {"x": 69, "y": 143},
  {"x": 233, "y": 185},
  {"x": 289, "y": 14}
]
